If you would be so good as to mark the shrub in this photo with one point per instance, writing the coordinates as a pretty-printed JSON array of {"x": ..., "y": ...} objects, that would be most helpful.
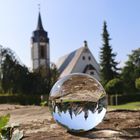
[
  {"x": 20, "y": 99},
  {"x": 114, "y": 86}
]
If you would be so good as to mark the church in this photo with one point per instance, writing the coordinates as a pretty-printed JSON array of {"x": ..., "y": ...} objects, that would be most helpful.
[
  {"x": 80, "y": 60},
  {"x": 40, "y": 49}
]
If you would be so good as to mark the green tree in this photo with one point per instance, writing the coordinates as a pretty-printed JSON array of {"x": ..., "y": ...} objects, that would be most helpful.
[
  {"x": 16, "y": 78},
  {"x": 137, "y": 83},
  {"x": 34, "y": 84},
  {"x": 13, "y": 74},
  {"x": 131, "y": 71},
  {"x": 48, "y": 77},
  {"x": 54, "y": 74},
  {"x": 114, "y": 86},
  {"x": 7, "y": 70},
  {"x": 108, "y": 64}
]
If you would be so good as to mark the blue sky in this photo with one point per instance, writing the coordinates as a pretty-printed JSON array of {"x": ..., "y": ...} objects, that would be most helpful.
[{"x": 69, "y": 23}]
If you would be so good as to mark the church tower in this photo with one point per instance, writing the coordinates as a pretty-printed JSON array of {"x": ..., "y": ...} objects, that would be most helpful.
[{"x": 40, "y": 48}]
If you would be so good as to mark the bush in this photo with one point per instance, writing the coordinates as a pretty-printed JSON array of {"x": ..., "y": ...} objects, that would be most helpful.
[
  {"x": 114, "y": 86},
  {"x": 123, "y": 99},
  {"x": 137, "y": 83},
  {"x": 20, "y": 99}
]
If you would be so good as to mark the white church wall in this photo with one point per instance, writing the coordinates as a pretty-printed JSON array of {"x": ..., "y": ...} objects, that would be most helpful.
[
  {"x": 35, "y": 56},
  {"x": 37, "y": 61},
  {"x": 35, "y": 64},
  {"x": 35, "y": 51},
  {"x": 85, "y": 59},
  {"x": 93, "y": 73},
  {"x": 42, "y": 62},
  {"x": 81, "y": 63},
  {"x": 96, "y": 65}
]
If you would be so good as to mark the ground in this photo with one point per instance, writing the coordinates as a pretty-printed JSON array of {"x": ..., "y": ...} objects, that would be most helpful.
[{"x": 37, "y": 123}]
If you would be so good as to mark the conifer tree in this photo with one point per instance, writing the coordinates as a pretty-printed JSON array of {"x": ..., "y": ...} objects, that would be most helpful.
[{"x": 108, "y": 64}]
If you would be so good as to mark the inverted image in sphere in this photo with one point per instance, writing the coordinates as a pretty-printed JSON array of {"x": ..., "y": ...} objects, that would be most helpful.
[{"x": 78, "y": 102}]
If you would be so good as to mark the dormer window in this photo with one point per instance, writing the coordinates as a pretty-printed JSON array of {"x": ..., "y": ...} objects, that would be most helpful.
[
  {"x": 83, "y": 58},
  {"x": 89, "y": 58},
  {"x": 91, "y": 73}
]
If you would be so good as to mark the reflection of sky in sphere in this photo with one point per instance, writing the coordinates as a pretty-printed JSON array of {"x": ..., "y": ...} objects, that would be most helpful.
[{"x": 79, "y": 122}]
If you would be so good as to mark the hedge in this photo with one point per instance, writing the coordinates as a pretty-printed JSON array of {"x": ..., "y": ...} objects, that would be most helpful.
[
  {"x": 20, "y": 99},
  {"x": 122, "y": 99}
]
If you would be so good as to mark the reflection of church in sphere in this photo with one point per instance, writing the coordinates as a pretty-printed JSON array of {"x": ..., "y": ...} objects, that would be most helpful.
[{"x": 79, "y": 61}]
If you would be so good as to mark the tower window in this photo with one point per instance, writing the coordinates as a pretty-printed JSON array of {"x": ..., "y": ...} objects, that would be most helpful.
[
  {"x": 83, "y": 57},
  {"x": 42, "y": 52}
]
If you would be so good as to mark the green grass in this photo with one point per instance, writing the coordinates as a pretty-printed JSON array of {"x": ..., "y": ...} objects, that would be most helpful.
[{"x": 129, "y": 106}]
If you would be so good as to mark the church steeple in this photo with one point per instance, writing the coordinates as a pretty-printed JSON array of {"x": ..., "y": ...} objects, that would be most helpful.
[
  {"x": 39, "y": 24},
  {"x": 40, "y": 47}
]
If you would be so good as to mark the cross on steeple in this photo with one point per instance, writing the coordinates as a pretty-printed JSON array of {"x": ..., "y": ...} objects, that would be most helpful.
[
  {"x": 39, "y": 7},
  {"x": 39, "y": 24}
]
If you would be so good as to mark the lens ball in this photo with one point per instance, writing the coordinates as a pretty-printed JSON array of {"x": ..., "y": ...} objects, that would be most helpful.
[{"x": 78, "y": 102}]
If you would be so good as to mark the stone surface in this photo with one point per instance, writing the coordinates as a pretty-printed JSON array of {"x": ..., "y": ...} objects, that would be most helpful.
[{"x": 37, "y": 123}]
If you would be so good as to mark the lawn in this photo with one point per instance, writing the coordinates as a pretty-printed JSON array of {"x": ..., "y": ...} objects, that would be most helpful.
[{"x": 129, "y": 106}]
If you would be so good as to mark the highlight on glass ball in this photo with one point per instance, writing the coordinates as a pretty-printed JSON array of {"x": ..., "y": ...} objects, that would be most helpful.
[{"x": 78, "y": 102}]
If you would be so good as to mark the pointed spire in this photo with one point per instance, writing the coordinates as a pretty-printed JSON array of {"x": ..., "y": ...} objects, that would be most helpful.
[{"x": 39, "y": 25}]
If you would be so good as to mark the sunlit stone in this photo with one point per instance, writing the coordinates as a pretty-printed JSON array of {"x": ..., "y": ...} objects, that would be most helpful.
[{"x": 78, "y": 102}]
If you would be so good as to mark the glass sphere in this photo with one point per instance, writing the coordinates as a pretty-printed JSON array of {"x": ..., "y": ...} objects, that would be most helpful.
[{"x": 78, "y": 102}]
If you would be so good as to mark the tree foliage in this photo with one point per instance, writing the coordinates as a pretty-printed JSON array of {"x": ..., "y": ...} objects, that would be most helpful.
[
  {"x": 16, "y": 78},
  {"x": 137, "y": 83},
  {"x": 131, "y": 71},
  {"x": 12, "y": 72},
  {"x": 54, "y": 74},
  {"x": 107, "y": 59},
  {"x": 114, "y": 86}
]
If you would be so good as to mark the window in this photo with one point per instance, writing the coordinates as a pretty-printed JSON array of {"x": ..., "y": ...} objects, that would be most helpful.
[
  {"x": 91, "y": 73},
  {"x": 89, "y": 58},
  {"x": 83, "y": 57},
  {"x": 42, "y": 52}
]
